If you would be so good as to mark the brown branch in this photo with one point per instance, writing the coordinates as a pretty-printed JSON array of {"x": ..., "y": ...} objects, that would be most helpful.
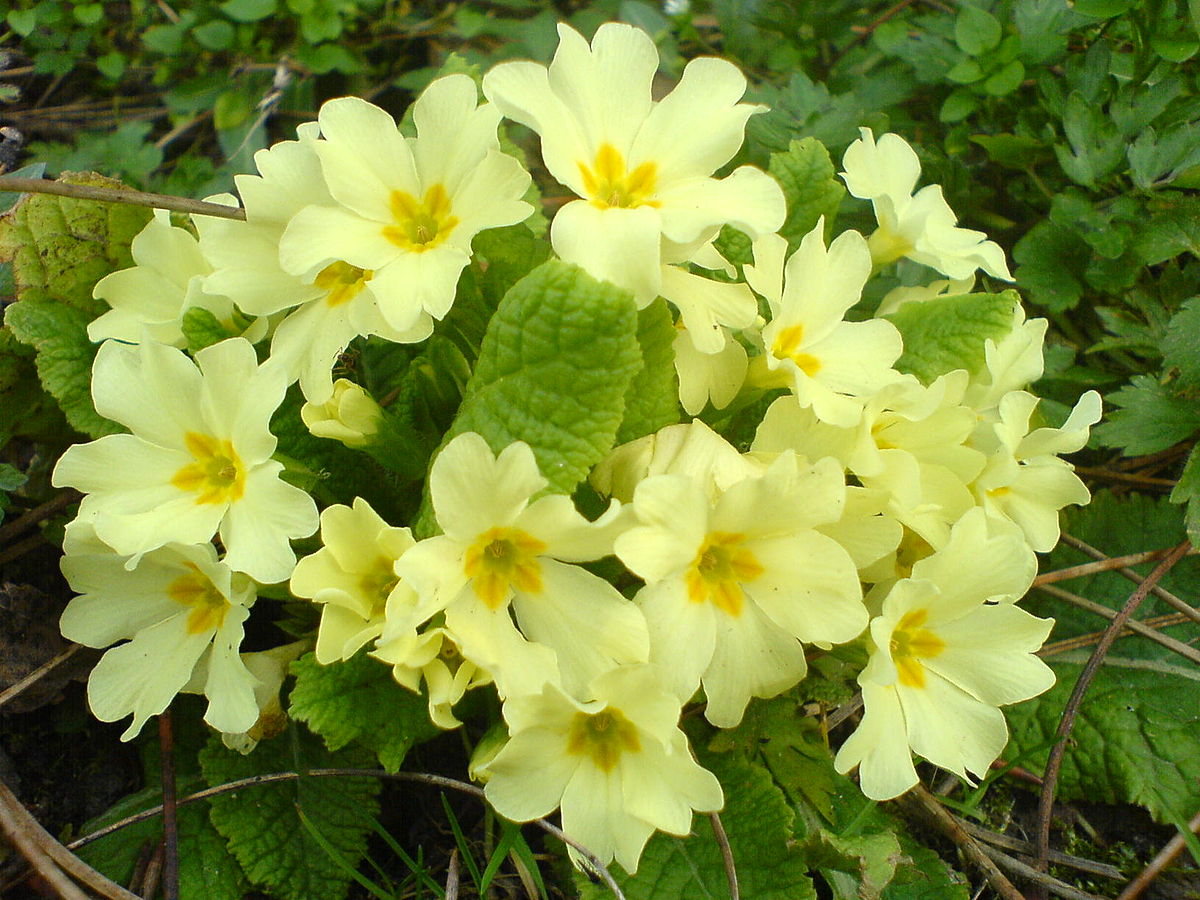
[
  {"x": 17, "y": 833},
  {"x": 25, "y": 832},
  {"x": 726, "y": 856},
  {"x": 119, "y": 195},
  {"x": 1071, "y": 710},
  {"x": 1133, "y": 626},
  {"x": 1161, "y": 860},
  {"x": 1008, "y": 842},
  {"x": 1102, "y": 564},
  {"x": 933, "y": 810},
  {"x": 20, "y": 548},
  {"x": 14, "y": 690},
  {"x": 1089, "y": 640},
  {"x": 419, "y": 777},
  {"x": 1040, "y": 879},
  {"x": 166, "y": 745},
  {"x": 37, "y": 515},
  {"x": 1158, "y": 591},
  {"x": 1126, "y": 477}
]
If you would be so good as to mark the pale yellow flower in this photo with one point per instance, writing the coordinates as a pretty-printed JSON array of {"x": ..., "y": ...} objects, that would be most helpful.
[
  {"x": 618, "y": 766},
  {"x": 198, "y": 460}
]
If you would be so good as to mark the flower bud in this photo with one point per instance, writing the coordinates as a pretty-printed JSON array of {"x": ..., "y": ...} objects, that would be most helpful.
[{"x": 350, "y": 415}]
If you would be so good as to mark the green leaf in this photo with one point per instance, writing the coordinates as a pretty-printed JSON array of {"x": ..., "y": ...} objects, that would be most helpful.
[
  {"x": 858, "y": 867},
  {"x": 111, "y": 65},
  {"x": 1119, "y": 525},
  {"x": 202, "y": 329},
  {"x": 510, "y": 253},
  {"x": 1005, "y": 80},
  {"x": 1134, "y": 740},
  {"x": 792, "y": 748},
  {"x": 959, "y": 104},
  {"x": 207, "y": 871},
  {"x": 248, "y": 10},
  {"x": 1051, "y": 261},
  {"x": 1149, "y": 417},
  {"x": 359, "y": 700},
  {"x": 58, "y": 332},
  {"x": 949, "y": 333},
  {"x": 11, "y": 477},
  {"x": 652, "y": 400},
  {"x": 553, "y": 371},
  {"x": 1103, "y": 9},
  {"x": 806, "y": 175},
  {"x": 1171, "y": 228},
  {"x": 262, "y": 823},
  {"x": 976, "y": 30},
  {"x": 22, "y": 21},
  {"x": 216, "y": 34},
  {"x": 757, "y": 820},
  {"x": 61, "y": 246},
  {"x": 1187, "y": 490},
  {"x": 1180, "y": 345}
]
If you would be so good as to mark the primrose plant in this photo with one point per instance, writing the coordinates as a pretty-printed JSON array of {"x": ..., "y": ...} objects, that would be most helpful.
[{"x": 627, "y": 509}]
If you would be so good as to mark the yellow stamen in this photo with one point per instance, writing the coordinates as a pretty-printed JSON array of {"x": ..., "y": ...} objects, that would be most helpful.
[
  {"x": 787, "y": 346},
  {"x": 208, "y": 605},
  {"x": 502, "y": 559},
  {"x": 609, "y": 185},
  {"x": 603, "y": 736},
  {"x": 342, "y": 282},
  {"x": 217, "y": 475},
  {"x": 910, "y": 644},
  {"x": 422, "y": 224},
  {"x": 720, "y": 569}
]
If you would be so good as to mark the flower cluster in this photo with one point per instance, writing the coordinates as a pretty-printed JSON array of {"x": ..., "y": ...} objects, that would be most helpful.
[{"x": 871, "y": 506}]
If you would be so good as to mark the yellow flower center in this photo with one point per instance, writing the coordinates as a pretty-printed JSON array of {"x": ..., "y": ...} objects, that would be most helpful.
[
  {"x": 787, "y": 346},
  {"x": 603, "y": 736},
  {"x": 720, "y": 569},
  {"x": 500, "y": 559},
  {"x": 911, "y": 643},
  {"x": 609, "y": 185},
  {"x": 342, "y": 282},
  {"x": 420, "y": 224},
  {"x": 377, "y": 583},
  {"x": 217, "y": 475},
  {"x": 207, "y": 604}
]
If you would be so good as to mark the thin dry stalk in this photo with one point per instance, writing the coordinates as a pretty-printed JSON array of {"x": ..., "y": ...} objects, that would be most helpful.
[
  {"x": 1133, "y": 626},
  {"x": 1158, "y": 591},
  {"x": 452, "y": 876},
  {"x": 933, "y": 810},
  {"x": 11, "y": 183},
  {"x": 1090, "y": 640},
  {"x": 15, "y": 690},
  {"x": 726, "y": 856}
]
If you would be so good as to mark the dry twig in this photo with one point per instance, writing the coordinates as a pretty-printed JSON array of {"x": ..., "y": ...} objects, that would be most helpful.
[
  {"x": 726, "y": 856},
  {"x": 119, "y": 195},
  {"x": 1158, "y": 591}
]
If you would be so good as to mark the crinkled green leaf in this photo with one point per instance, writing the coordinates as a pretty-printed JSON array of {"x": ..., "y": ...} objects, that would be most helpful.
[
  {"x": 60, "y": 246},
  {"x": 949, "y": 333},
  {"x": 757, "y": 820},
  {"x": 207, "y": 870},
  {"x": 202, "y": 329},
  {"x": 857, "y": 867},
  {"x": 791, "y": 746},
  {"x": 652, "y": 400},
  {"x": 359, "y": 700},
  {"x": 25, "y": 407},
  {"x": 262, "y": 824},
  {"x": 1120, "y": 525},
  {"x": 510, "y": 254},
  {"x": 58, "y": 332},
  {"x": 1134, "y": 740},
  {"x": 805, "y": 173},
  {"x": 1148, "y": 417},
  {"x": 556, "y": 363}
]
